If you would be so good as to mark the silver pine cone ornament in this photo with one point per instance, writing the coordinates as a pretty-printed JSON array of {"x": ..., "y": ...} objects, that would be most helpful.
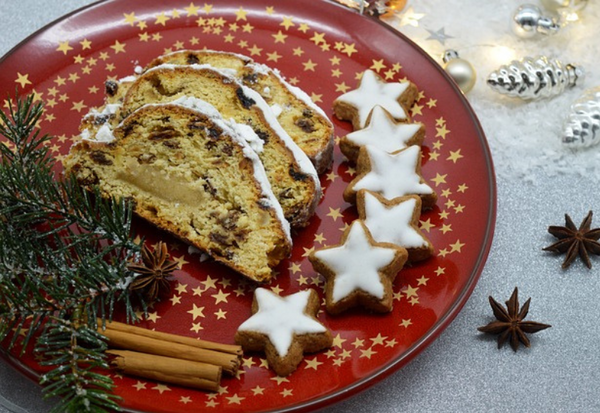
[
  {"x": 582, "y": 127},
  {"x": 534, "y": 78}
]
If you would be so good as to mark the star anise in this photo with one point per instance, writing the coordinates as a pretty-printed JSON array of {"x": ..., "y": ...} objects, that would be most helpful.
[
  {"x": 575, "y": 241},
  {"x": 509, "y": 324},
  {"x": 153, "y": 271}
]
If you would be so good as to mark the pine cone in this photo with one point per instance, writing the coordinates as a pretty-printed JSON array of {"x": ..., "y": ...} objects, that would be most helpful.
[
  {"x": 534, "y": 78},
  {"x": 582, "y": 127}
]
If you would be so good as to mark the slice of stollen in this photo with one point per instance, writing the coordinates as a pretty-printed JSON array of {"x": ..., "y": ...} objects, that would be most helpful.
[
  {"x": 292, "y": 176},
  {"x": 301, "y": 118},
  {"x": 193, "y": 174}
]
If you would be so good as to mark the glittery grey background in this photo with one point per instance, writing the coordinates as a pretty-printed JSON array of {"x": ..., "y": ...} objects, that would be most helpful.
[{"x": 462, "y": 370}]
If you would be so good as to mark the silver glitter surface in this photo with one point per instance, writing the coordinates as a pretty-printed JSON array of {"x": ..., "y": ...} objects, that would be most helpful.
[{"x": 463, "y": 371}]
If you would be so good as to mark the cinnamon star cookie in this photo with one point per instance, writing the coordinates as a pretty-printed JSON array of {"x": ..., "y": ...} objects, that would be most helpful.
[
  {"x": 356, "y": 105},
  {"x": 383, "y": 132},
  {"x": 284, "y": 328},
  {"x": 395, "y": 222},
  {"x": 359, "y": 271},
  {"x": 390, "y": 175}
]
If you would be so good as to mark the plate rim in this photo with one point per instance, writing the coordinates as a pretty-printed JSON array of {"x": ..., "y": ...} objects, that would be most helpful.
[{"x": 444, "y": 320}]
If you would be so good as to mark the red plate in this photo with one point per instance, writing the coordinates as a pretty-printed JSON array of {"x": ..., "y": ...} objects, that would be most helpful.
[{"x": 320, "y": 47}]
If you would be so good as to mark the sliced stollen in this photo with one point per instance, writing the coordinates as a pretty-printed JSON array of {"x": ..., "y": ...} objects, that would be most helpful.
[
  {"x": 191, "y": 173},
  {"x": 301, "y": 118},
  {"x": 291, "y": 174}
]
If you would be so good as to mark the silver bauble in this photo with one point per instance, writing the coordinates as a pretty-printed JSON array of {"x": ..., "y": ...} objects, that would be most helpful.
[
  {"x": 582, "y": 127},
  {"x": 534, "y": 78},
  {"x": 528, "y": 21},
  {"x": 460, "y": 70}
]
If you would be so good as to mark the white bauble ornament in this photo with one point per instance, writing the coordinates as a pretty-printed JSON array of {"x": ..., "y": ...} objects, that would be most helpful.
[{"x": 460, "y": 70}]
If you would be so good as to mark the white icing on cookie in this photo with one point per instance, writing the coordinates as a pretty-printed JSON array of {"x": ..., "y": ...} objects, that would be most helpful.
[
  {"x": 393, "y": 175},
  {"x": 392, "y": 224},
  {"x": 279, "y": 318},
  {"x": 356, "y": 264},
  {"x": 373, "y": 91},
  {"x": 384, "y": 133}
]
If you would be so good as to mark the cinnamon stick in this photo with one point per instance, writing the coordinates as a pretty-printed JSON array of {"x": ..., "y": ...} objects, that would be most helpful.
[
  {"x": 174, "y": 338},
  {"x": 167, "y": 369},
  {"x": 141, "y": 343}
]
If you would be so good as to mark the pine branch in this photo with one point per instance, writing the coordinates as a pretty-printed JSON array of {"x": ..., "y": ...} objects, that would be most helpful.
[{"x": 63, "y": 263}]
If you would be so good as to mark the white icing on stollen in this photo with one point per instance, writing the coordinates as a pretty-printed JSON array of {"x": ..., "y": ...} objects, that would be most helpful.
[
  {"x": 393, "y": 175},
  {"x": 109, "y": 109},
  {"x": 303, "y": 161},
  {"x": 231, "y": 73},
  {"x": 128, "y": 79},
  {"x": 296, "y": 91},
  {"x": 356, "y": 264},
  {"x": 301, "y": 158},
  {"x": 277, "y": 110},
  {"x": 373, "y": 91},
  {"x": 280, "y": 318},
  {"x": 392, "y": 225},
  {"x": 242, "y": 57},
  {"x": 244, "y": 130},
  {"x": 384, "y": 133},
  {"x": 103, "y": 135}
]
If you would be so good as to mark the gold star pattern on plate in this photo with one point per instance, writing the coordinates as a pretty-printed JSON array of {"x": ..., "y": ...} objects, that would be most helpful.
[
  {"x": 118, "y": 47},
  {"x": 235, "y": 399},
  {"x": 368, "y": 353},
  {"x": 161, "y": 388},
  {"x": 191, "y": 10},
  {"x": 457, "y": 246},
  {"x": 140, "y": 385},
  {"x": 23, "y": 80},
  {"x": 313, "y": 363},
  {"x": 441, "y": 132},
  {"x": 334, "y": 213},
  {"x": 426, "y": 225},
  {"x": 287, "y": 22},
  {"x": 258, "y": 390},
  {"x": 196, "y": 312},
  {"x": 161, "y": 19},
  {"x": 64, "y": 47}
]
